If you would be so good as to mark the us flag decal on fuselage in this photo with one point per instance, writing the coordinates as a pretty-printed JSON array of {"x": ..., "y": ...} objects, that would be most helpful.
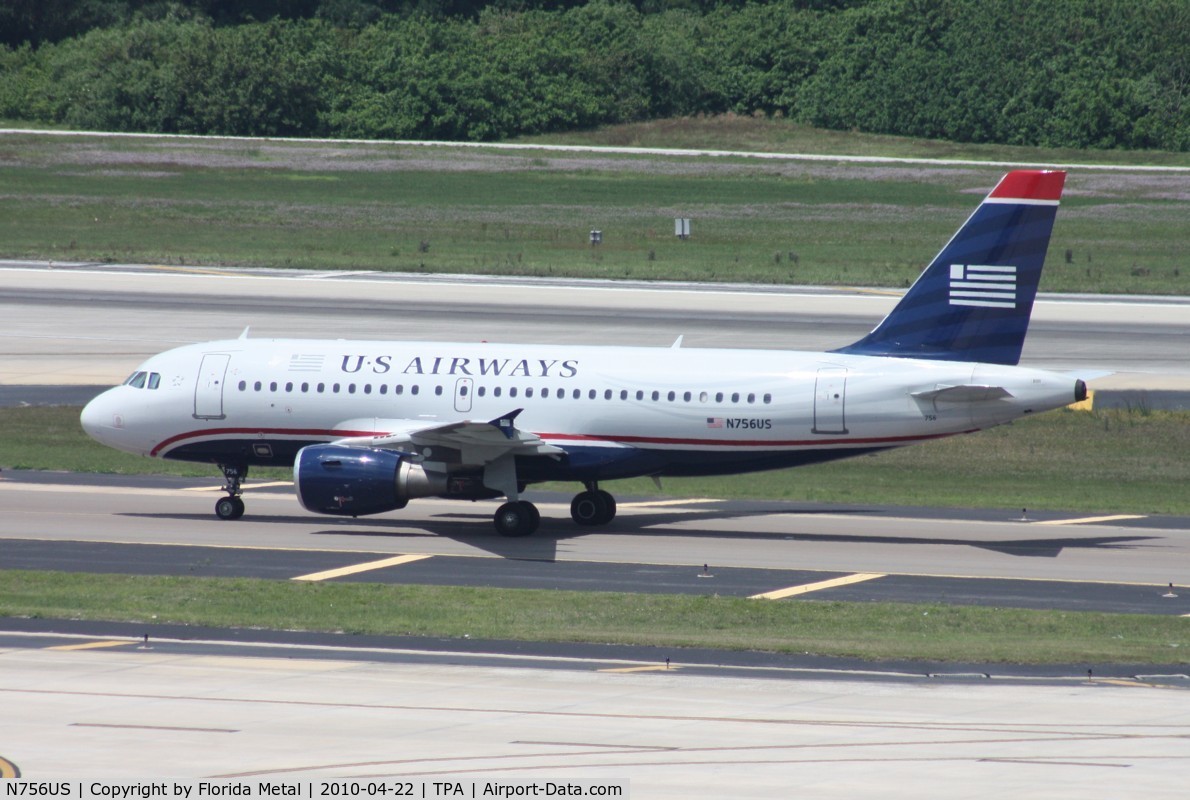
[{"x": 982, "y": 286}]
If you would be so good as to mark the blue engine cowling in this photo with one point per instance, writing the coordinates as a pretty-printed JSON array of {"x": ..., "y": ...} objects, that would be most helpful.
[{"x": 356, "y": 481}]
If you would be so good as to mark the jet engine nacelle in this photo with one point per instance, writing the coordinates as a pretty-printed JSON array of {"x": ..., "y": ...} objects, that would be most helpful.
[{"x": 355, "y": 481}]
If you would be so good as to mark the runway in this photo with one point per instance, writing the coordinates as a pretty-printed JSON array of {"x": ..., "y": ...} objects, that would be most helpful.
[
  {"x": 193, "y": 709},
  {"x": 93, "y": 324}
]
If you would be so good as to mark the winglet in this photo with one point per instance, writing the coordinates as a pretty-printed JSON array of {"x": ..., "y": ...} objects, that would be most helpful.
[
  {"x": 974, "y": 300},
  {"x": 505, "y": 422}
]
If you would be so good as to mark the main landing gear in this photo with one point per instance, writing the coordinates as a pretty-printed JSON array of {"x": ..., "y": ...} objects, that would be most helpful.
[
  {"x": 232, "y": 506},
  {"x": 589, "y": 508},
  {"x": 593, "y": 507},
  {"x": 518, "y": 518}
]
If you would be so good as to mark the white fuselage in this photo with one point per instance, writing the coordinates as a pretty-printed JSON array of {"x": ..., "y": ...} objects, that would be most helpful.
[{"x": 617, "y": 411}]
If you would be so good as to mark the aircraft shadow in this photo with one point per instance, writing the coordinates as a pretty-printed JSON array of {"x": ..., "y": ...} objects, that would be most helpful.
[{"x": 474, "y": 530}]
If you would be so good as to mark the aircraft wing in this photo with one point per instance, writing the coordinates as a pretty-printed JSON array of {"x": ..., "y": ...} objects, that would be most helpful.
[{"x": 462, "y": 442}]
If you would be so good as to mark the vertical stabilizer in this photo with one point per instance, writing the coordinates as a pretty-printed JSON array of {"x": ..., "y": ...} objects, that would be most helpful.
[{"x": 973, "y": 302}]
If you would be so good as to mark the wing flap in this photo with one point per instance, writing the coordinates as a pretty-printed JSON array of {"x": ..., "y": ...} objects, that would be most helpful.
[{"x": 466, "y": 441}]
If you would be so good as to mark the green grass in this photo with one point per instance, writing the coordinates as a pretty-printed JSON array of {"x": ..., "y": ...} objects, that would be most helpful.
[
  {"x": 457, "y": 210},
  {"x": 873, "y": 631},
  {"x": 1103, "y": 462}
]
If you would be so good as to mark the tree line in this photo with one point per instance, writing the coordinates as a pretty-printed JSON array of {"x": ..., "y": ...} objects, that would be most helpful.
[{"x": 1080, "y": 74}]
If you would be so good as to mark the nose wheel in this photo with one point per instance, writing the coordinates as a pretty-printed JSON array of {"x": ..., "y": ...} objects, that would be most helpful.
[
  {"x": 229, "y": 508},
  {"x": 232, "y": 506}
]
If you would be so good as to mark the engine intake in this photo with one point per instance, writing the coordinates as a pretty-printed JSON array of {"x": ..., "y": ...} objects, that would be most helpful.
[{"x": 355, "y": 481}]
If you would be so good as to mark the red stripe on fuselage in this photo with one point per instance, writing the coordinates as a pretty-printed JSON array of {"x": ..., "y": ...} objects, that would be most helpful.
[
  {"x": 258, "y": 432},
  {"x": 878, "y": 440},
  {"x": 580, "y": 438}
]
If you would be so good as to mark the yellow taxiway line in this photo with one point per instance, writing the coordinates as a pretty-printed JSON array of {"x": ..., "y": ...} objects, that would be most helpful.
[
  {"x": 244, "y": 487},
  {"x": 689, "y": 501},
  {"x": 1090, "y": 520},
  {"x": 806, "y": 588},
  {"x": 93, "y": 645},
  {"x": 357, "y": 568}
]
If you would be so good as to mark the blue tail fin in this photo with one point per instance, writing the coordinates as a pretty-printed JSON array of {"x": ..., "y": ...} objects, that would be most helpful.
[{"x": 972, "y": 303}]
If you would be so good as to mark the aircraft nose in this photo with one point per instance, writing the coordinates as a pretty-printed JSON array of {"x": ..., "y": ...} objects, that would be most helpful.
[{"x": 99, "y": 419}]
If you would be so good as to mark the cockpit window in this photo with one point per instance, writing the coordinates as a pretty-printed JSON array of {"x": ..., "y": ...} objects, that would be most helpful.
[{"x": 142, "y": 380}]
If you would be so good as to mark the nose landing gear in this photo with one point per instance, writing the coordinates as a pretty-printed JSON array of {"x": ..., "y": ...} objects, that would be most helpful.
[{"x": 232, "y": 506}]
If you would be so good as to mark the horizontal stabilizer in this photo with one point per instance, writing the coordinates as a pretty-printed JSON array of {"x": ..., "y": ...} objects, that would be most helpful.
[{"x": 967, "y": 393}]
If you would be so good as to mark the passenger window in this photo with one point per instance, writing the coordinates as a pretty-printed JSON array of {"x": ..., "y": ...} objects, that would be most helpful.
[
  {"x": 414, "y": 389},
  {"x": 640, "y": 395},
  {"x": 718, "y": 397},
  {"x": 751, "y": 398},
  {"x": 289, "y": 386},
  {"x": 438, "y": 390},
  {"x": 703, "y": 397},
  {"x": 670, "y": 397},
  {"x": 529, "y": 392},
  {"x": 562, "y": 394},
  {"x": 735, "y": 397},
  {"x": 656, "y": 395},
  {"x": 398, "y": 389},
  {"x": 496, "y": 392},
  {"x": 257, "y": 386},
  {"x": 768, "y": 398},
  {"x": 273, "y": 386},
  {"x": 512, "y": 392}
]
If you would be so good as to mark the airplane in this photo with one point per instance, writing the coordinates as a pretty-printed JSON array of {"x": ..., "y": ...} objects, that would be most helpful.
[{"x": 368, "y": 426}]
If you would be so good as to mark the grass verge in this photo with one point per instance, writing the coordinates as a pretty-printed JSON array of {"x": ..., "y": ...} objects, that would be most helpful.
[
  {"x": 870, "y": 631},
  {"x": 392, "y": 207}
]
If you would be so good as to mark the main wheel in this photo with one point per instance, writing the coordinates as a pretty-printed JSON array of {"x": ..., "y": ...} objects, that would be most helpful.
[
  {"x": 516, "y": 519},
  {"x": 592, "y": 508},
  {"x": 229, "y": 508},
  {"x": 610, "y": 503},
  {"x": 534, "y": 515}
]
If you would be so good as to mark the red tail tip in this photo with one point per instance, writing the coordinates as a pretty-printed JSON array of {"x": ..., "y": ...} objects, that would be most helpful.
[{"x": 1030, "y": 184}]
